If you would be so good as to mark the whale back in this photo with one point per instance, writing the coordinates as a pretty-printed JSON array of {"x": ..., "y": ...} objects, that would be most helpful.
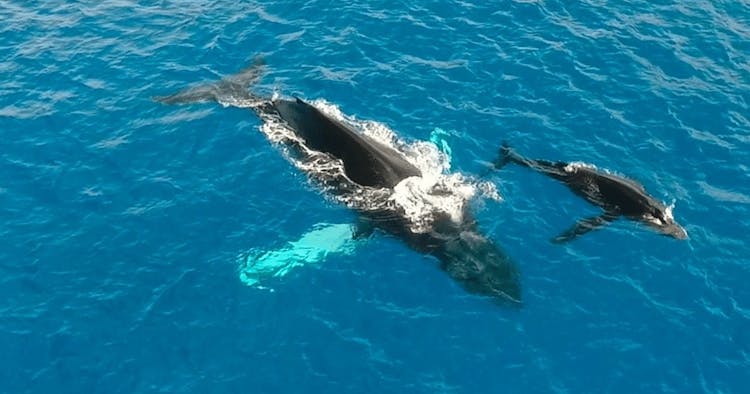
[{"x": 366, "y": 161}]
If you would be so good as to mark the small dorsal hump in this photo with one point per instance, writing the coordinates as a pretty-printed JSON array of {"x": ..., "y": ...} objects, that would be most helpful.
[{"x": 628, "y": 181}]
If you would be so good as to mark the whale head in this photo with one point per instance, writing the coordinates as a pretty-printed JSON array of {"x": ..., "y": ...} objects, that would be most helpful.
[
  {"x": 481, "y": 267},
  {"x": 662, "y": 220}
]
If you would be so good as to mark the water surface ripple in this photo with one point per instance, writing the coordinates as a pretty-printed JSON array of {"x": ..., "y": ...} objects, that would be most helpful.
[{"x": 122, "y": 219}]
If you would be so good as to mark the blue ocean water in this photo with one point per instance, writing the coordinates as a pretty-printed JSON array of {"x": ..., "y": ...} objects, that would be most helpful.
[{"x": 122, "y": 219}]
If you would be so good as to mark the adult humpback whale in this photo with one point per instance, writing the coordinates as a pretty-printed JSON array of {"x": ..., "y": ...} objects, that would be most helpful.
[
  {"x": 369, "y": 176},
  {"x": 616, "y": 195}
]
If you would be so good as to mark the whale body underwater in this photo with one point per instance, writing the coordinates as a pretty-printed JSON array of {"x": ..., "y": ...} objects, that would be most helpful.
[{"x": 369, "y": 173}]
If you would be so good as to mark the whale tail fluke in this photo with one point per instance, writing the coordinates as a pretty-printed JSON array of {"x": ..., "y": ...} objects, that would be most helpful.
[
  {"x": 228, "y": 90},
  {"x": 505, "y": 156}
]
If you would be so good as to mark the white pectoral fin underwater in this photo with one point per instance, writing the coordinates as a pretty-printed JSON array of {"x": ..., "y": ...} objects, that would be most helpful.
[{"x": 257, "y": 267}]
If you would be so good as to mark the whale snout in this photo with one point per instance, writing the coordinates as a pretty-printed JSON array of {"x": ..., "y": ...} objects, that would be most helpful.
[
  {"x": 677, "y": 231},
  {"x": 664, "y": 223},
  {"x": 672, "y": 229}
]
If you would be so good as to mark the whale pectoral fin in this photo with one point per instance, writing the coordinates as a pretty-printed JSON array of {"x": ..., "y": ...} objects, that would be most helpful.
[
  {"x": 312, "y": 248},
  {"x": 585, "y": 225}
]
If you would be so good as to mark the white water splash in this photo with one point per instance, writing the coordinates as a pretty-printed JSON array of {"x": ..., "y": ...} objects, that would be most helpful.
[
  {"x": 668, "y": 211},
  {"x": 576, "y": 165},
  {"x": 238, "y": 102},
  {"x": 437, "y": 193}
]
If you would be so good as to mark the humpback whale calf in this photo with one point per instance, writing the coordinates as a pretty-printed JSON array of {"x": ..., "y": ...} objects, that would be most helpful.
[
  {"x": 616, "y": 195},
  {"x": 372, "y": 177}
]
